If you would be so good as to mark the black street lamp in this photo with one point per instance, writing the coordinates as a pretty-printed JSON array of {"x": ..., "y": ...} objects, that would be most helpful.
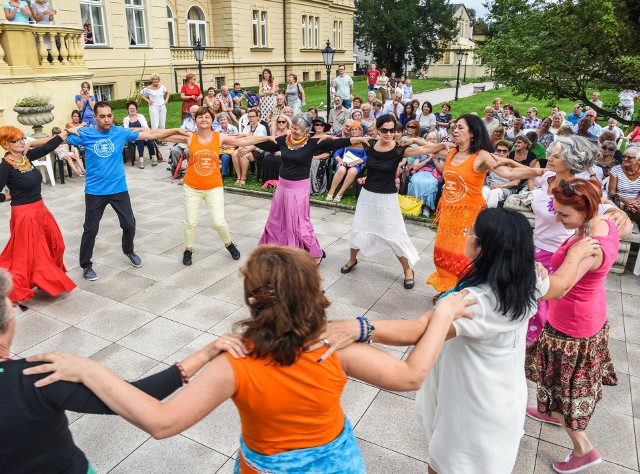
[
  {"x": 327, "y": 58},
  {"x": 198, "y": 51},
  {"x": 459, "y": 55},
  {"x": 466, "y": 55}
]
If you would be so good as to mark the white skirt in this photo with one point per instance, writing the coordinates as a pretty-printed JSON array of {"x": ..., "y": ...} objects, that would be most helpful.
[{"x": 378, "y": 225}]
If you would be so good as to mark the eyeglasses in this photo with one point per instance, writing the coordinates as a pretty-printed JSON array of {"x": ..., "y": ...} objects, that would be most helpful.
[
  {"x": 466, "y": 233},
  {"x": 569, "y": 189},
  {"x": 608, "y": 148},
  {"x": 628, "y": 157},
  {"x": 386, "y": 131},
  {"x": 502, "y": 151}
]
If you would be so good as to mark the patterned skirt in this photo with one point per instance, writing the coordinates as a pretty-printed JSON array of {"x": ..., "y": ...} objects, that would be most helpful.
[{"x": 569, "y": 373}]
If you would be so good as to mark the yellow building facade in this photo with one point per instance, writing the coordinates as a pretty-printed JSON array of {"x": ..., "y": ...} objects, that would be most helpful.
[{"x": 116, "y": 45}]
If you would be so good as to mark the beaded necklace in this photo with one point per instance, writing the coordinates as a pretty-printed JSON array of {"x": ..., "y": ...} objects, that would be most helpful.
[
  {"x": 293, "y": 144},
  {"x": 24, "y": 166}
]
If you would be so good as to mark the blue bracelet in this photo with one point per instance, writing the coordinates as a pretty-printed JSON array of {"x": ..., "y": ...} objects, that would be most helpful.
[
  {"x": 361, "y": 320},
  {"x": 370, "y": 329}
]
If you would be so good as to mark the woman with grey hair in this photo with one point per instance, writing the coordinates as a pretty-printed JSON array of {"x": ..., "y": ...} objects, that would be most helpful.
[
  {"x": 289, "y": 221},
  {"x": 35, "y": 433},
  {"x": 157, "y": 96},
  {"x": 570, "y": 157},
  {"x": 624, "y": 185},
  {"x": 607, "y": 161}
]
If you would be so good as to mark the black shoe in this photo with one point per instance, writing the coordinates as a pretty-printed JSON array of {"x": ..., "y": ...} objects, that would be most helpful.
[
  {"x": 89, "y": 274},
  {"x": 233, "y": 250},
  {"x": 346, "y": 268},
  {"x": 409, "y": 282},
  {"x": 324, "y": 255},
  {"x": 186, "y": 257},
  {"x": 134, "y": 259}
]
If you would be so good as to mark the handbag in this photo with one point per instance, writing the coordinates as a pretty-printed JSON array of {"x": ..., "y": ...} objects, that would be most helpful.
[
  {"x": 519, "y": 202},
  {"x": 410, "y": 205}
]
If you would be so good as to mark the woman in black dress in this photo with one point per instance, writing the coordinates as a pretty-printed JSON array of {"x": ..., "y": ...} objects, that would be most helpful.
[{"x": 289, "y": 221}]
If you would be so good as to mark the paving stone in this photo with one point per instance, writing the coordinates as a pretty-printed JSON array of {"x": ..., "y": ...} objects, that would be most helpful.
[
  {"x": 158, "y": 298},
  {"x": 159, "y": 338},
  {"x": 116, "y": 321}
]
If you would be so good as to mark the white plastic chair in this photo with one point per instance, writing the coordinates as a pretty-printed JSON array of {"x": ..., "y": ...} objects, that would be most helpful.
[{"x": 46, "y": 162}]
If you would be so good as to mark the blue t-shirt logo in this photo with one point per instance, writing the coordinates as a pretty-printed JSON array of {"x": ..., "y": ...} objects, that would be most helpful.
[{"x": 103, "y": 148}]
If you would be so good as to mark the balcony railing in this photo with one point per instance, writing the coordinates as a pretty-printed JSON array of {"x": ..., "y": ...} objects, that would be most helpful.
[
  {"x": 181, "y": 55},
  {"x": 41, "y": 48}
]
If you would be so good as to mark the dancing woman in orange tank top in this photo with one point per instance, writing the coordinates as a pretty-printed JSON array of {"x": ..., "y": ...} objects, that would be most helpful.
[
  {"x": 289, "y": 404},
  {"x": 464, "y": 171}
]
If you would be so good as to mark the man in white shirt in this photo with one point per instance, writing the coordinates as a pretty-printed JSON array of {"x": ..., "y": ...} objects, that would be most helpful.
[
  {"x": 343, "y": 87},
  {"x": 613, "y": 128},
  {"x": 408, "y": 90},
  {"x": 594, "y": 128},
  {"x": 394, "y": 107}
]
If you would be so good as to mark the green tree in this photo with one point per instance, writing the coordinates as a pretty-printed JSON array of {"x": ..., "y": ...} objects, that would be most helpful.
[
  {"x": 391, "y": 28},
  {"x": 561, "y": 49}
]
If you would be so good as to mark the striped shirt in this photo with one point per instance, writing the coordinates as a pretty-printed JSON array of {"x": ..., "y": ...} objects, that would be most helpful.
[{"x": 626, "y": 188}]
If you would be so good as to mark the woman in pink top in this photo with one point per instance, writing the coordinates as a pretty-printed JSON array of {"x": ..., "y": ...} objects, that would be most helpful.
[{"x": 570, "y": 361}]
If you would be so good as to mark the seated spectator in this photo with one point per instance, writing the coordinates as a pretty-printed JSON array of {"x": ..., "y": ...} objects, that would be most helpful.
[
  {"x": 595, "y": 99},
  {"x": 516, "y": 129},
  {"x": 348, "y": 164},
  {"x": 405, "y": 170},
  {"x": 137, "y": 121},
  {"x": 582, "y": 130},
  {"x": 607, "y": 161},
  {"x": 594, "y": 127},
  {"x": 356, "y": 104},
  {"x": 498, "y": 113},
  {"x": 320, "y": 166},
  {"x": 496, "y": 133},
  {"x": 538, "y": 150},
  {"x": 278, "y": 109},
  {"x": 408, "y": 89},
  {"x": 225, "y": 153},
  {"x": 427, "y": 118},
  {"x": 225, "y": 97},
  {"x": 288, "y": 111},
  {"x": 243, "y": 156},
  {"x": 63, "y": 153},
  {"x": 271, "y": 162},
  {"x": 634, "y": 137},
  {"x": 532, "y": 122},
  {"x": 624, "y": 183},
  {"x": 17, "y": 11},
  {"x": 425, "y": 179},
  {"x": 368, "y": 121},
  {"x": 338, "y": 115},
  {"x": 313, "y": 113},
  {"x": 181, "y": 149},
  {"x": 522, "y": 151},
  {"x": 408, "y": 114},
  {"x": 577, "y": 114},
  {"x": 545, "y": 137},
  {"x": 371, "y": 98},
  {"x": 556, "y": 123},
  {"x": 356, "y": 115},
  {"x": 496, "y": 188},
  {"x": 508, "y": 116},
  {"x": 209, "y": 99},
  {"x": 443, "y": 118},
  {"x": 394, "y": 107},
  {"x": 612, "y": 126},
  {"x": 237, "y": 94},
  {"x": 489, "y": 120},
  {"x": 377, "y": 109}
]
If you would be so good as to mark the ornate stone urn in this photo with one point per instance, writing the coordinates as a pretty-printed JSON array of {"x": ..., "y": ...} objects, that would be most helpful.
[{"x": 35, "y": 117}]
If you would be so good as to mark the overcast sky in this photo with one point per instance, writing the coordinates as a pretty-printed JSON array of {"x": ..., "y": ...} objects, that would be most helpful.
[{"x": 476, "y": 5}]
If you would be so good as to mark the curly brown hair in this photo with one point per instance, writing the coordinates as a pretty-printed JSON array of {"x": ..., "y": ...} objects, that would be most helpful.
[{"x": 283, "y": 292}]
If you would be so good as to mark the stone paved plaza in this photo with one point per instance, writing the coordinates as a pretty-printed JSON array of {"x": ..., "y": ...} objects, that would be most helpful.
[{"x": 137, "y": 320}]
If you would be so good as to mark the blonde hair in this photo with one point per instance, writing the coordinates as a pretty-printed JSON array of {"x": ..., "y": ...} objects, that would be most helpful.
[{"x": 155, "y": 75}]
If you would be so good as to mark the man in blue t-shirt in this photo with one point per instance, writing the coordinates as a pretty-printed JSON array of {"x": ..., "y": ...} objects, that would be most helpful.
[
  {"x": 237, "y": 94},
  {"x": 106, "y": 181}
]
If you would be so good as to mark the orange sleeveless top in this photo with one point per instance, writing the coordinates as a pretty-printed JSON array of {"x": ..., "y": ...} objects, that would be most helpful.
[
  {"x": 287, "y": 408},
  {"x": 462, "y": 184},
  {"x": 203, "y": 168}
]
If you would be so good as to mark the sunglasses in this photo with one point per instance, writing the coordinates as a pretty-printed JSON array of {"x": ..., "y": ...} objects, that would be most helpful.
[
  {"x": 411, "y": 126},
  {"x": 569, "y": 189},
  {"x": 628, "y": 157},
  {"x": 318, "y": 125},
  {"x": 502, "y": 151},
  {"x": 386, "y": 131},
  {"x": 608, "y": 148},
  {"x": 282, "y": 121}
]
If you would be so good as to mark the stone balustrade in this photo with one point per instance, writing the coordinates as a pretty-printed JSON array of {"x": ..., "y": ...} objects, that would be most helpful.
[
  {"x": 211, "y": 55},
  {"x": 28, "y": 48}
]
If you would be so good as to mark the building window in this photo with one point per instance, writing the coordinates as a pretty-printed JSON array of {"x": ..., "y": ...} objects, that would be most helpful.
[
  {"x": 172, "y": 29},
  {"x": 318, "y": 75},
  {"x": 135, "y": 22},
  {"x": 103, "y": 92},
  {"x": 219, "y": 82},
  {"x": 317, "y": 31},
  {"x": 305, "y": 76},
  {"x": 310, "y": 31},
  {"x": 339, "y": 35},
  {"x": 304, "y": 31},
  {"x": 196, "y": 27},
  {"x": 335, "y": 34},
  {"x": 259, "y": 29},
  {"x": 92, "y": 15}
]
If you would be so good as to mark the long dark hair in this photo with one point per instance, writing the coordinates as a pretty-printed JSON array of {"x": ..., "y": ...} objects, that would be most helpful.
[
  {"x": 386, "y": 118},
  {"x": 505, "y": 262},
  {"x": 481, "y": 139}
]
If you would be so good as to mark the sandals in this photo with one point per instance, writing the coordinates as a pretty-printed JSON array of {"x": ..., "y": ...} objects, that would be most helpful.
[
  {"x": 338, "y": 198},
  {"x": 409, "y": 282},
  {"x": 346, "y": 268},
  {"x": 329, "y": 198},
  {"x": 242, "y": 182}
]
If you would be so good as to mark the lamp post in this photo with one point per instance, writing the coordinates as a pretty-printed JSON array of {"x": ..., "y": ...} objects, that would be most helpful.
[
  {"x": 198, "y": 51},
  {"x": 459, "y": 55},
  {"x": 327, "y": 58},
  {"x": 466, "y": 55}
]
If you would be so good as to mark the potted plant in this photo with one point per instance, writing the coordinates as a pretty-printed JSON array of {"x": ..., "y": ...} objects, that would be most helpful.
[{"x": 34, "y": 111}]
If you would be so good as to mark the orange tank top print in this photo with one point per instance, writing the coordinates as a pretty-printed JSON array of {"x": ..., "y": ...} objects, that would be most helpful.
[
  {"x": 203, "y": 168},
  {"x": 462, "y": 184}
]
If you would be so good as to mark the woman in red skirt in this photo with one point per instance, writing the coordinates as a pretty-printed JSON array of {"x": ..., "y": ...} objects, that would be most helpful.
[{"x": 35, "y": 249}]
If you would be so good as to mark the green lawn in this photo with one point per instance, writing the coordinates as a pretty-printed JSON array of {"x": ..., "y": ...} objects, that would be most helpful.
[{"x": 314, "y": 95}]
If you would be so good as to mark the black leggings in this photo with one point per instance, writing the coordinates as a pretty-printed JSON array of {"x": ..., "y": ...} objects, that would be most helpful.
[{"x": 151, "y": 146}]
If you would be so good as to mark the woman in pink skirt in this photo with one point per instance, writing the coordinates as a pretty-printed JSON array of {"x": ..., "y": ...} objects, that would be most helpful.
[{"x": 289, "y": 221}]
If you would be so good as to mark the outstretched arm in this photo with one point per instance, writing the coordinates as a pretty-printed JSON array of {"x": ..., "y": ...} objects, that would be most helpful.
[{"x": 161, "y": 134}]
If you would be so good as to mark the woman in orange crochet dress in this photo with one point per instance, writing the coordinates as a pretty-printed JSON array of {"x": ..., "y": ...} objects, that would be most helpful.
[
  {"x": 290, "y": 413},
  {"x": 464, "y": 170},
  {"x": 34, "y": 253}
]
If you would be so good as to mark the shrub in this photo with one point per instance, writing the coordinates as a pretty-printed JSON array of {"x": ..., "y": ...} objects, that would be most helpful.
[{"x": 33, "y": 101}]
